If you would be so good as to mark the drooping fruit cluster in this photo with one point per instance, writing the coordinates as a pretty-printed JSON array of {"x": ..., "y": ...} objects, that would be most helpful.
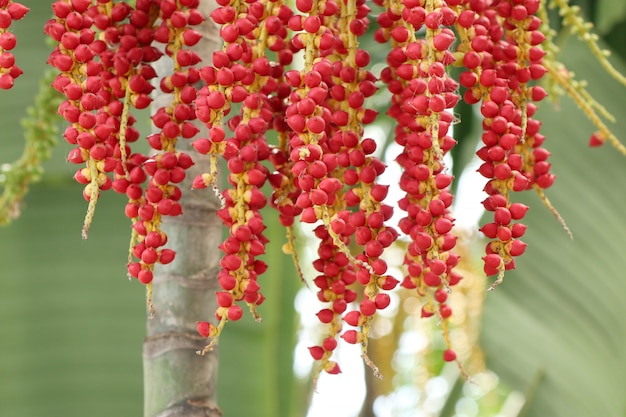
[
  {"x": 9, "y": 11},
  {"x": 502, "y": 56},
  {"x": 166, "y": 169},
  {"x": 324, "y": 168},
  {"x": 104, "y": 56},
  {"x": 326, "y": 171},
  {"x": 242, "y": 73},
  {"x": 86, "y": 96},
  {"x": 329, "y": 149},
  {"x": 298, "y": 126},
  {"x": 423, "y": 94}
]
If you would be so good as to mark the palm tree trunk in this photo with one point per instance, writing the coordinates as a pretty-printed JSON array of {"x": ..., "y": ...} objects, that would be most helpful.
[{"x": 177, "y": 381}]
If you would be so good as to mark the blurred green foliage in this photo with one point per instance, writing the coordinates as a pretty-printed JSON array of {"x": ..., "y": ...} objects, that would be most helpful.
[{"x": 71, "y": 324}]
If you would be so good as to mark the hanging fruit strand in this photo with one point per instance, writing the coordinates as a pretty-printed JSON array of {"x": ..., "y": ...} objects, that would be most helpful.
[
  {"x": 314, "y": 167},
  {"x": 127, "y": 68},
  {"x": 252, "y": 79},
  {"x": 361, "y": 170},
  {"x": 417, "y": 76},
  {"x": 285, "y": 191},
  {"x": 9, "y": 11},
  {"x": 502, "y": 54},
  {"x": 79, "y": 80}
]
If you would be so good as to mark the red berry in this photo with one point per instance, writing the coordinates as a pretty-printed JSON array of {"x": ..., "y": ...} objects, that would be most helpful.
[
  {"x": 18, "y": 10},
  {"x": 425, "y": 312},
  {"x": 351, "y": 336},
  {"x": 325, "y": 315},
  {"x": 205, "y": 329},
  {"x": 382, "y": 301},
  {"x": 518, "y": 210},
  {"x": 305, "y": 6},
  {"x": 224, "y": 299},
  {"x": 7, "y": 41},
  {"x": 317, "y": 352},
  {"x": 312, "y": 24},
  {"x": 517, "y": 247},
  {"x": 445, "y": 311},
  {"x": 332, "y": 368},
  {"x": 6, "y": 81},
  {"x": 493, "y": 260},
  {"x": 432, "y": 280},
  {"x": 443, "y": 225},
  {"x": 502, "y": 216},
  {"x": 329, "y": 344},
  {"x": 145, "y": 276},
  {"x": 449, "y": 355},
  {"x": 367, "y": 307},
  {"x": 234, "y": 312},
  {"x": 352, "y": 318},
  {"x": 441, "y": 295}
]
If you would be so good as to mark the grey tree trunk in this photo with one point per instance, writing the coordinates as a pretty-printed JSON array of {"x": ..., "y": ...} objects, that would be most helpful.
[{"x": 177, "y": 381}]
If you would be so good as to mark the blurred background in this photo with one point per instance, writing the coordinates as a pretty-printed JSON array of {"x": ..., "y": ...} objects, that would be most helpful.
[{"x": 552, "y": 336}]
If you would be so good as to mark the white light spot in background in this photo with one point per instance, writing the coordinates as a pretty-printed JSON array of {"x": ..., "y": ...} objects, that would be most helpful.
[
  {"x": 336, "y": 395},
  {"x": 466, "y": 407},
  {"x": 404, "y": 402},
  {"x": 343, "y": 394},
  {"x": 468, "y": 206}
]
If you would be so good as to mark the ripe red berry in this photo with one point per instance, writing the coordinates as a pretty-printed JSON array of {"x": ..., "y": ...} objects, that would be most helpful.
[
  {"x": 382, "y": 300},
  {"x": 352, "y": 318},
  {"x": 517, "y": 247},
  {"x": 224, "y": 299},
  {"x": 325, "y": 315},
  {"x": 205, "y": 329},
  {"x": 145, "y": 276},
  {"x": 493, "y": 260},
  {"x": 6, "y": 81},
  {"x": 441, "y": 295},
  {"x": 449, "y": 355},
  {"x": 351, "y": 336},
  {"x": 332, "y": 368},
  {"x": 431, "y": 279},
  {"x": 445, "y": 311},
  {"x": 329, "y": 343},
  {"x": 317, "y": 352},
  {"x": 367, "y": 307},
  {"x": 234, "y": 312}
]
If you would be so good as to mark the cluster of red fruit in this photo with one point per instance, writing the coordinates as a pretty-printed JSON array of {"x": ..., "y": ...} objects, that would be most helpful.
[
  {"x": 322, "y": 167},
  {"x": 104, "y": 55},
  {"x": 509, "y": 36},
  {"x": 9, "y": 11},
  {"x": 326, "y": 171},
  {"x": 423, "y": 93}
]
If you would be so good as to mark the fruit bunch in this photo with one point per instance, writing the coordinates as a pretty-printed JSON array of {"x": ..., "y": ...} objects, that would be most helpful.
[
  {"x": 9, "y": 11},
  {"x": 327, "y": 171},
  {"x": 164, "y": 170},
  {"x": 104, "y": 54},
  {"x": 242, "y": 73},
  {"x": 423, "y": 93},
  {"x": 501, "y": 63},
  {"x": 286, "y": 101}
]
